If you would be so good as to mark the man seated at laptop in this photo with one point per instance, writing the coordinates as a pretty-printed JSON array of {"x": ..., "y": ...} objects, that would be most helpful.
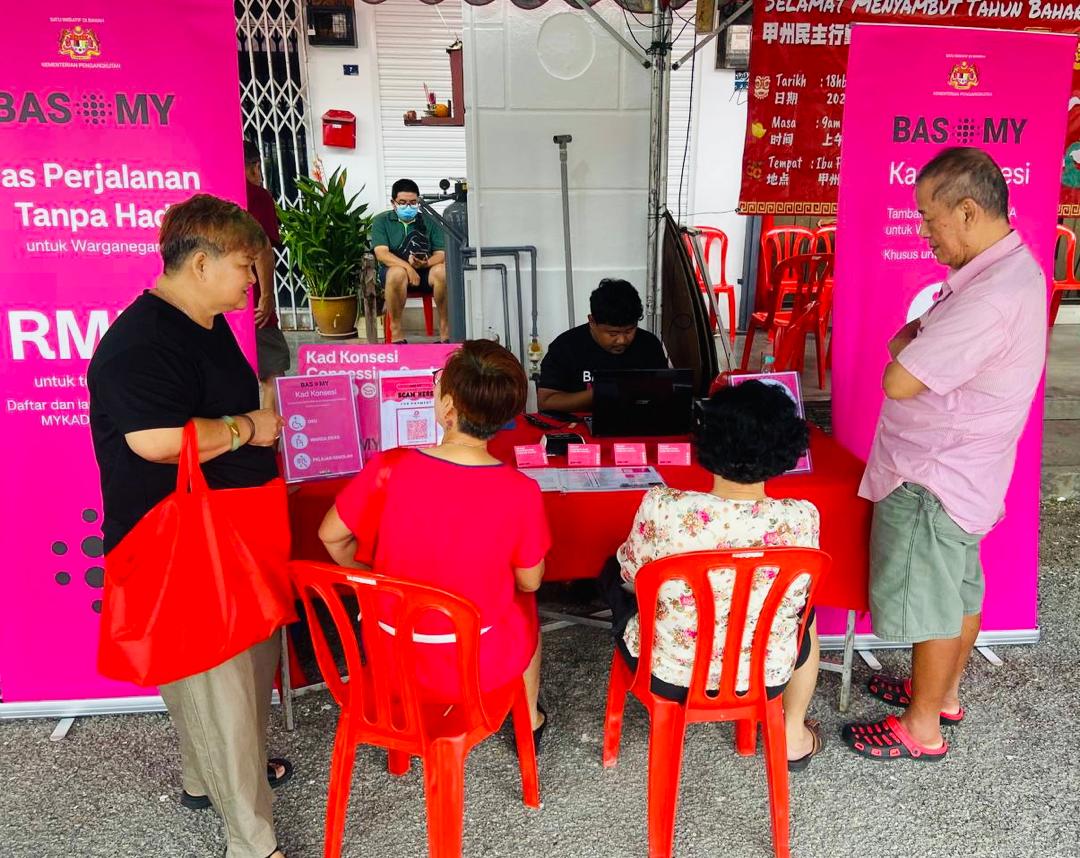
[{"x": 610, "y": 340}]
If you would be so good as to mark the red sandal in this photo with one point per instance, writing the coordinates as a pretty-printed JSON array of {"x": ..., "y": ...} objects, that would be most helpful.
[
  {"x": 897, "y": 692},
  {"x": 888, "y": 740}
]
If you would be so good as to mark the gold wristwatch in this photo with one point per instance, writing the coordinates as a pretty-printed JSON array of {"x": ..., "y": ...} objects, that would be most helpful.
[{"x": 234, "y": 431}]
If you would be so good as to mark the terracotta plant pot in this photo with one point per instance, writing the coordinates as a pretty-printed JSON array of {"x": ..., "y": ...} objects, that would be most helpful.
[{"x": 335, "y": 317}]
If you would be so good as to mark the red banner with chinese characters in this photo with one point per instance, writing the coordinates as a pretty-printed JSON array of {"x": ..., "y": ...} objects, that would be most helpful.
[{"x": 798, "y": 66}]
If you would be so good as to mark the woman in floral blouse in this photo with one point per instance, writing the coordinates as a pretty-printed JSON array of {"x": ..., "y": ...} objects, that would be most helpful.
[{"x": 749, "y": 433}]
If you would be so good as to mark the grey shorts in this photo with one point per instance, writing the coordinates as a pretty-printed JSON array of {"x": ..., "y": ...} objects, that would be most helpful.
[
  {"x": 272, "y": 351},
  {"x": 925, "y": 572}
]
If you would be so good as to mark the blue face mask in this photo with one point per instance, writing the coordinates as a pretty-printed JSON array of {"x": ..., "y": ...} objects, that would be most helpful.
[{"x": 407, "y": 212}]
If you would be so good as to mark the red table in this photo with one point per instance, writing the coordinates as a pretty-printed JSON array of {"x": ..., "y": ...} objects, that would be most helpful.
[{"x": 587, "y": 527}]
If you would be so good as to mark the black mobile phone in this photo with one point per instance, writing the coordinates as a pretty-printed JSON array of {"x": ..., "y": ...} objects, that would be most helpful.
[
  {"x": 561, "y": 416},
  {"x": 556, "y": 443}
]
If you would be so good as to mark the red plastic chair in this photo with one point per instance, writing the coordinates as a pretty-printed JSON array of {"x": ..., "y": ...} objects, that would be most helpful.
[
  {"x": 668, "y": 719},
  {"x": 382, "y": 703},
  {"x": 825, "y": 239},
  {"x": 801, "y": 280},
  {"x": 777, "y": 244},
  {"x": 429, "y": 314},
  {"x": 712, "y": 237},
  {"x": 788, "y": 355},
  {"x": 1069, "y": 282}
]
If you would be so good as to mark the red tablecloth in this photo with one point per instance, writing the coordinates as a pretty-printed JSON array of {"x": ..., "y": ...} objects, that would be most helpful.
[{"x": 587, "y": 527}]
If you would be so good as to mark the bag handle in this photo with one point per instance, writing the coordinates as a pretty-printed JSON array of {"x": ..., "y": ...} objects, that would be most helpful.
[{"x": 189, "y": 472}]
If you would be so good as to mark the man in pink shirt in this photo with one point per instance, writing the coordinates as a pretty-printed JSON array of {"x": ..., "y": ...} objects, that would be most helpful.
[{"x": 959, "y": 389}]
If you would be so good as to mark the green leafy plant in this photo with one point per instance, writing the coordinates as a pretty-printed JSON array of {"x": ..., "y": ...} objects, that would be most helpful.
[{"x": 327, "y": 235}]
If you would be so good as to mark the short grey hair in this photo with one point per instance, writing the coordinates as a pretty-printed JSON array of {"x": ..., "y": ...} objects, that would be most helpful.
[{"x": 964, "y": 172}]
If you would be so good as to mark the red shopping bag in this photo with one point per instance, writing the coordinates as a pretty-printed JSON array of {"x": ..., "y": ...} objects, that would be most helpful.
[{"x": 202, "y": 577}]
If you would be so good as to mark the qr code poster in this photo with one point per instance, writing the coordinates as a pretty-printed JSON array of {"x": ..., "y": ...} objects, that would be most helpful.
[{"x": 407, "y": 409}]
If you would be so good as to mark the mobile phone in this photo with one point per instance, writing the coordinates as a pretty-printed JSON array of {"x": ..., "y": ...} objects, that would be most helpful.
[
  {"x": 561, "y": 416},
  {"x": 556, "y": 443}
]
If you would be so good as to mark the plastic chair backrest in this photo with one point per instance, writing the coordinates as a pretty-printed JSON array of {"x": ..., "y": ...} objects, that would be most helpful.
[
  {"x": 691, "y": 251},
  {"x": 713, "y": 237},
  {"x": 808, "y": 272},
  {"x": 693, "y": 569},
  {"x": 825, "y": 239},
  {"x": 381, "y": 689},
  {"x": 793, "y": 343},
  {"x": 781, "y": 242},
  {"x": 1063, "y": 232}
]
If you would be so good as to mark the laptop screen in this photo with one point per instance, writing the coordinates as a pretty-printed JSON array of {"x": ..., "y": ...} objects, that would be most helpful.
[{"x": 629, "y": 402}]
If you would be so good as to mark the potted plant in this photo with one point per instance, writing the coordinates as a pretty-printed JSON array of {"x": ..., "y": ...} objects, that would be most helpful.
[{"x": 328, "y": 236}]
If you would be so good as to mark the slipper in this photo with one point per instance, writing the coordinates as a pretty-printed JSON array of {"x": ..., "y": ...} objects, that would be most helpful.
[
  {"x": 201, "y": 802},
  {"x": 802, "y": 762},
  {"x": 400, "y": 343},
  {"x": 538, "y": 733},
  {"x": 445, "y": 342},
  {"x": 888, "y": 740},
  {"x": 897, "y": 692}
]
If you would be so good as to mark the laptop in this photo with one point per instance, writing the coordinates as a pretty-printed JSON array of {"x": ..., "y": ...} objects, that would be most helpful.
[{"x": 629, "y": 402}]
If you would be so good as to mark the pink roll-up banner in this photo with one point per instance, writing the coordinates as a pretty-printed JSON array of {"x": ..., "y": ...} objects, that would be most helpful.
[
  {"x": 1002, "y": 91},
  {"x": 110, "y": 111}
]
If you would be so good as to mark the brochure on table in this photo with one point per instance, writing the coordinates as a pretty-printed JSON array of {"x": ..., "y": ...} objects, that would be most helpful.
[
  {"x": 363, "y": 363},
  {"x": 789, "y": 383},
  {"x": 618, "y": 479},
  {"x": 321, "y": 435},
  {"x": 407, "y": 409}
]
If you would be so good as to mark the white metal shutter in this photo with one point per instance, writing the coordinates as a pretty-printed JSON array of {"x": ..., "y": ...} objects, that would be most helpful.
[
  {"x": 411, "y": 41},
  {"x": 679, "y": 115}
]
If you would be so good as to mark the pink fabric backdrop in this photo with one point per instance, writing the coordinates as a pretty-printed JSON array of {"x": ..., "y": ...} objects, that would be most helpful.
[
  {"x": 141, "y": 86},
  {"x": 885, "y": 274}
]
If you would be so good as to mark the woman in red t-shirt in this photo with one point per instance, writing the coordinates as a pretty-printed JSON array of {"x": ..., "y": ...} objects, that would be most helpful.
[{"x": 457, "y": 518}]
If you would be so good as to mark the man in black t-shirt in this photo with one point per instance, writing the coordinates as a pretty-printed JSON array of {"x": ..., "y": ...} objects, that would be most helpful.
[{"x": 610, "y": 340}]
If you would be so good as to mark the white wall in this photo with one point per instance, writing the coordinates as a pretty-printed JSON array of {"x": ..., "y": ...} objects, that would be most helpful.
[
  {"x": 717, "y": 176},
  {"x": 329, "y": 88},
  {"x": 528, "y": 76}
]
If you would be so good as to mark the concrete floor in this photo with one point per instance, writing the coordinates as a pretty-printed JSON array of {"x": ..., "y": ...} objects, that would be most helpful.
[{"x": 1009, "y": 788}]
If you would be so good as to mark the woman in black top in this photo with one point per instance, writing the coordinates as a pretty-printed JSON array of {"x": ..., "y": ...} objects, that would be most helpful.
[{"x": 170, "y": 358}]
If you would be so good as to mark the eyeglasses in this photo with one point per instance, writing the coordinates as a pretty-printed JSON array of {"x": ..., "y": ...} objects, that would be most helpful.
[
  {"x": 435, "y": 376},
  {"x": 406, "y": 202}
]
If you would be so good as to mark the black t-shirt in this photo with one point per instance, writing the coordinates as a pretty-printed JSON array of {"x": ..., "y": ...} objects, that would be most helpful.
[
  {"x": 574, "y": 357},
  {"x": 156, "y": 369}
]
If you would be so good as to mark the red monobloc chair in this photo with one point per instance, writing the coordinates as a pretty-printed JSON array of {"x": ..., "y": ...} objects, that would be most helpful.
[
  {"x": 825, "y": 239},
  {"x": 796, "y": 282},
  {"x": 777, "y": 244},
  {"x": 1069, "y": 282},
  {"x": 429, "y": 314},
  {"x": 714, "y": 241},
  {"x": 383, "y": 704},
  {"x": 668, "y": 719}
]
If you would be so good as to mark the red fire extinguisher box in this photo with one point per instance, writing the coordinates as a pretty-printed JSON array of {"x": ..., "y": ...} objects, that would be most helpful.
[{"x": 339, "y": 129}]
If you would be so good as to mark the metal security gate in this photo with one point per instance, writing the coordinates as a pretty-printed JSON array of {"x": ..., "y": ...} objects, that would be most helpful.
[{"x": 273, "y": 97}]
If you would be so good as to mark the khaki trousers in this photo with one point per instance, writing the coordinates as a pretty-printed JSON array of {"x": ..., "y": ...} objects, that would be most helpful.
[{"x": 221, "y": 716}]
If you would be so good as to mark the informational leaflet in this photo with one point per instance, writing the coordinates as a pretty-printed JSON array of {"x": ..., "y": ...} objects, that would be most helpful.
[
  {"x": 637, "y": 478},
  {"x": 407, "y": 409},
  {"x": 789, "y": 383},
  {"x": 321, "y": 435}
]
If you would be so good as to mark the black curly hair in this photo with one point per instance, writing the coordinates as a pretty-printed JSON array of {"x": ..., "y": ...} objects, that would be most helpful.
[{"x": 750, "y": 432}]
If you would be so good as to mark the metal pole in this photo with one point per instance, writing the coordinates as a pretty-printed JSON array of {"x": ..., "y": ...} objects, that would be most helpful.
[
  {"x": 660, "y": 51},
  {"x": 562, "y": 140}
]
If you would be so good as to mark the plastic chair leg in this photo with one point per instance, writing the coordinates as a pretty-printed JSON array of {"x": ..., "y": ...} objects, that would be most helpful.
[
  {"x": 526, "y": 751},
  {"x": 386, "y": 325},
  {"x": 822, "y": 355},
  {"x": 397, "y": 762},
  {"x": 777, "y": 774},
  {"x": 666, "y": 731},
  {"x": 1055, "y": 305},
  {"x": 429, "y": 315},
  {"x": 732, "y": 324},
  {"x": 444, "y": 789},
  {"x": 746, "y": 737},
  {"x": 337, "y": 803},
  {"x": 618, "y": 685},
  {"x": 748, "y": 348}
]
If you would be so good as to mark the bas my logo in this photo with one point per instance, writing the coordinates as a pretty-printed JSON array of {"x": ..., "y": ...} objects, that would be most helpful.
[{"x": 79, "y": 43}]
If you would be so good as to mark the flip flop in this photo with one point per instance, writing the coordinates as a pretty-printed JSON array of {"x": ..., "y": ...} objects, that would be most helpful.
[
  {"x": 202, "y": 802},
  {"x": 889, "y": 740},
  {"x": 802, "y": 762},
  {"x": 897, "y": 692}
]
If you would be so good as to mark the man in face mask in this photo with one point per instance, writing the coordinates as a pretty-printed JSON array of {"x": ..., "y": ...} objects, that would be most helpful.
[{"x": 410, "y": 250}]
